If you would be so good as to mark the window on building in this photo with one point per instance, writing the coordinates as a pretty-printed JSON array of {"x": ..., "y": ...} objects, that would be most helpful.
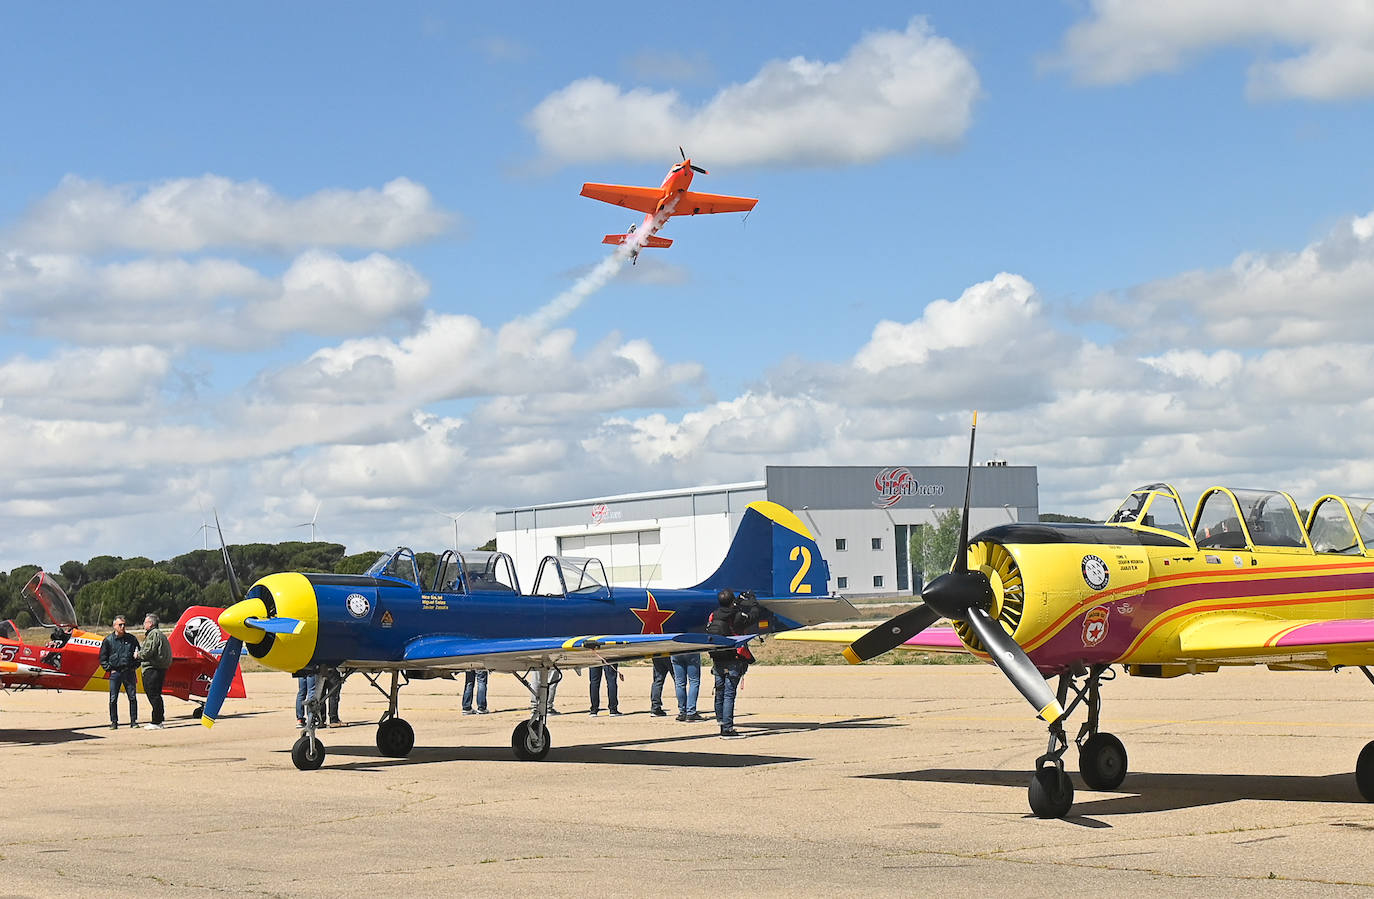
[
  {"x": 841, "y": 583},
  {"x": 839, "y": 544},
  {"x": 877, "y": 580},
  {"x": 877, "y": 542}
]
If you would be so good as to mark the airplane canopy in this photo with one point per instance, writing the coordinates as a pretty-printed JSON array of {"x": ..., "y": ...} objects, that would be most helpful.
[{"x": 1342, "y": 524}]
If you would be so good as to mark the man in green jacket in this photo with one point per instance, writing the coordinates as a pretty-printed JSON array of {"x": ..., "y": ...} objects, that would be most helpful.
[{"x": 155, "y": 654}]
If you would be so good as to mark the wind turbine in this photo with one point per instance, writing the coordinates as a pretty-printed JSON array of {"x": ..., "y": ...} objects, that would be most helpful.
[
  {"x": 204, "y": 528},
  {"x": 454, "y": 519},
  {"x": 311, "y": 523}
]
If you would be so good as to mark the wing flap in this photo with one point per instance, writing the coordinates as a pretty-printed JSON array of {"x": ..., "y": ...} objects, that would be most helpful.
[
  {"x": 640, "y": 199},
  {"x": 521, "y": 653},
  {"x": 932, "y": 639},
  {"x": 1240, "y": 638},
  {"x": 693, "y": 203}
]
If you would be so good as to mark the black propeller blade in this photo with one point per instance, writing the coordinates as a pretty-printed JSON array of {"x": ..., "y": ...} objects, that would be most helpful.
[
  {"x": 696, "y": 168},
  {"x": 963, "y": 595}
]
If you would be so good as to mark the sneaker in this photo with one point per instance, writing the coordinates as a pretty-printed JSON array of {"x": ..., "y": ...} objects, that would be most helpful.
[
  {"x": 694, "y": 717},
  {"x": 657, "y": 713},
  {"x": 114, "y": 726},
  {"x": 336, "y": 724},
  {"x": 300, "y": 724},
  {"x": 160, "y": 726},
  {"x": 554, "y": 711},
  {"x": 680, "y": 718},
  {"x": 593, "y": 713},
  {"x": 484, "y": 711},
  {"x": 616, "y": 713},
  {"x": 150, "y": 726},
  {"x": 469, "y": 712},
  {"x": 731, "y": 734}
]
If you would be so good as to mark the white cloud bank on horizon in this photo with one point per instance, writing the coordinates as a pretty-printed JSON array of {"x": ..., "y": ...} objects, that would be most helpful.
[
  {"x": 1324, "y": 48},
  {"x": 894, "y": 92}
]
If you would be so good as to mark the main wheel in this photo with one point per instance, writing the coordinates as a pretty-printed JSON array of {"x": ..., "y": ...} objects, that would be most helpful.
[
  {"x": 1102, "y": 762},
  {"x": 197, "y": 711},
  {"x": 306, "y": 757},
  {"x": 395, "y": 738},
  {"x": 1051, "y": 793},
  {"x": 1364, "y": 772},
  {"x": 531, "y": 744}
]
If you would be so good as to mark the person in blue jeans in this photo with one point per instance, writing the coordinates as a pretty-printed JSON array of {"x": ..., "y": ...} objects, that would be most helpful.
[
  {"x": 610, "y": 673},
  {"x": 687, "y": 681},
  {"x": 479, "y": 680},
  {"x": 119, "y": 657},
  {"x": 306, "y": 685},
  {"x": 662, "y": 668}
]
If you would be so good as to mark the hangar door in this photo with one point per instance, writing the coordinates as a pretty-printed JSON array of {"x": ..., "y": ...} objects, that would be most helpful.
[{"x": 632, "y": 558}]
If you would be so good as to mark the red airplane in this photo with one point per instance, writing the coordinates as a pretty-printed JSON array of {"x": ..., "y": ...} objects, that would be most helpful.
[
  {"x": 70, "y": 660},
  {"x": 662, "y": 203}
]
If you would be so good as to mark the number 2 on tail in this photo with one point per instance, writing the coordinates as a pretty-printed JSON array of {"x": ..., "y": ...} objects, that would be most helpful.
[{"x": 797, "y": 585}]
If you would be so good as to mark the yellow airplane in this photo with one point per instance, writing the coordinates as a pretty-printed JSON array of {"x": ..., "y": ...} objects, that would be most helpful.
[{"x": 1244, "y": 581}]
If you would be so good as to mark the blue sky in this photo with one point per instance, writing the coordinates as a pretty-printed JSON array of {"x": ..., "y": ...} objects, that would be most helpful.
[{"x": 265, "y": 258}]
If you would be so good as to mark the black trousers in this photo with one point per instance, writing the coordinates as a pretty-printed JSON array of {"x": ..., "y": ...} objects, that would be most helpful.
[
  {"x": 152, "y": 688},
  {"x": 128, "y": 680}
]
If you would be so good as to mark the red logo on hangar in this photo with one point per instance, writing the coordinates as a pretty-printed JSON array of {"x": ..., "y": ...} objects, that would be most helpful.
[{"x": 894, "y": 483}]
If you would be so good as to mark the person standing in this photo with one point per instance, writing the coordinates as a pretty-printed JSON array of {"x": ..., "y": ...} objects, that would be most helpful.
[
  {"x": 333, "y": 686},
  {"x": 687, "y": 682},
  {"x": 119, "y": 658},
  {"x": 610, "y": 673},
  {"x": 727, "y": 665},
  {"x": 155, "y": 655},
  {"x": 662, "y": 668},
  {"x": 477, "y": 679},
  {"x": 306, "y": 685}
]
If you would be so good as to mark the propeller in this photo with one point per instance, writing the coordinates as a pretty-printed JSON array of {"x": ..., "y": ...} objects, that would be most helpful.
[
  {"x": 687, "y": 162},
  {"x": 963, "y": 595},
  {"x": 233, "y": 647}
]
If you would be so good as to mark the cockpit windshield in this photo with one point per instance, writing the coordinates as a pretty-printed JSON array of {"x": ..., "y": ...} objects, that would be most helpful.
[
  {"x": 476, "y": 571},
  {"x": 1341, "y": 524},
  {"x": 1152, "y": 506},
  {"x": 569, "y": 576},
  {"x": 399, "y": 563},
  {"x": 48, "y": 602},
  {"x": 7, "y": 630},
  {"x": 1270, "y": 518}
]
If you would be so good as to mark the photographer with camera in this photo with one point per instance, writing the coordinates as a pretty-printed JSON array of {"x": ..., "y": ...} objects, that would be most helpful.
[{"x": 731, "y": 618}]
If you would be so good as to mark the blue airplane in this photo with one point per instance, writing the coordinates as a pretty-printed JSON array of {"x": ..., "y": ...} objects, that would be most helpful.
[{"x": 474, "y": 616}]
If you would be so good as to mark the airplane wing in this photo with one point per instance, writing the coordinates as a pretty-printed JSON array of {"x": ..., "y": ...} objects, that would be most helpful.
[
  {"x": 693, "y": 203},
  {"x": 932, "y": 639},
  {"x": 521, "y": 653},
  {"x": 1346, "y": 641},
  {"x": 640, "y": 199}
]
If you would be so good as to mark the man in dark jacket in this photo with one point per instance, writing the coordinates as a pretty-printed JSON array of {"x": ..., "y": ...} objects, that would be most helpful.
[
  {"x": 119, "y": 657},
  {"x": 156, "y": 657},
  {"x": 728, "y": 665}
]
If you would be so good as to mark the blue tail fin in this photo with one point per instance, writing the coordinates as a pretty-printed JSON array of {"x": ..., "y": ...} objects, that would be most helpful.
[{"x": 773, "y": 554}]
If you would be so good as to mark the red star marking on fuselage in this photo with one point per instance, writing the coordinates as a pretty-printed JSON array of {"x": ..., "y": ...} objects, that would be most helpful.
[{"x": 651, "y": 616}]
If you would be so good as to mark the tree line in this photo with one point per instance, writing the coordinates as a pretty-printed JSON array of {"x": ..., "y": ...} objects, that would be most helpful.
[{"x": 105, "y": 586}]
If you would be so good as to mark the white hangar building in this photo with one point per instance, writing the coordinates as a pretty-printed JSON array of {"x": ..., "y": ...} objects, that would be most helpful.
[{"x": 861, "y": 517}]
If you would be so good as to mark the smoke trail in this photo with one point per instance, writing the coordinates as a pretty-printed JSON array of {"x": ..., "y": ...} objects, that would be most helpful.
[{"x": 567, "y": 302}]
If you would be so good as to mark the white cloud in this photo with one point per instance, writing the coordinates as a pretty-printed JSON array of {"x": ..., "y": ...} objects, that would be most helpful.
[
  {"x": 186, "y": 215},
  {"x": 205, "y": 302},
  {"x": 894, "y": 92},
  {"x": 1331, "y": 42}
]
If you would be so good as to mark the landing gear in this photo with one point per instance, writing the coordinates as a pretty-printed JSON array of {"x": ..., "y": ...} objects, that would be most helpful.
[
  {"x": 530, "y": 740},
  {"x": 1364, "y": 772},
  {"x": 197, "y": 711},
  {"x": 308, "y": 753},
  {"x": 1051, "y": 792},
  {"x": 395, "y": 736},
  {"x": 1101, "y": 756}
]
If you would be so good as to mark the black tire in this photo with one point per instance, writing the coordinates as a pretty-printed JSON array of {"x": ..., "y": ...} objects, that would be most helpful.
[
  {"x": 1051, "y": 793},
  {"x": 1364, "y": 772},
  {"x": 529, "y": 744},
  {"x": 303, "y": 757},
  {"x": 1102, "y": 762},
  {"x": 197, "y": 711},
  {"x": 395, "y": 738}
]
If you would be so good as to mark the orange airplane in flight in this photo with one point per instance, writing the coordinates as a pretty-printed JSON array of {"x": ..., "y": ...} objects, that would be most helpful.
[{"x": 662, "y": 203}]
